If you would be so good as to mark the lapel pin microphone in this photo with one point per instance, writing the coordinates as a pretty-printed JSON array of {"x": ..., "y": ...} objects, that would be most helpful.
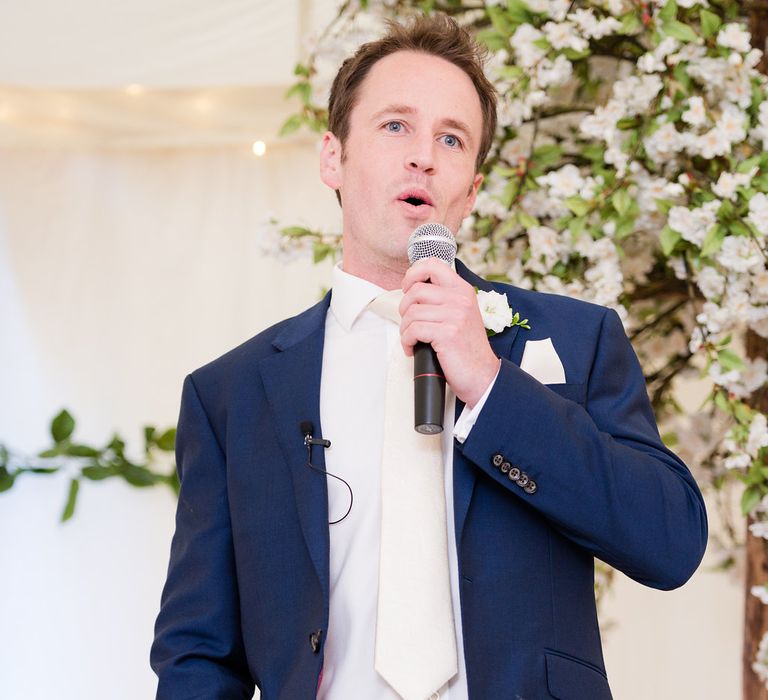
[{"x": 307, "y": 429}]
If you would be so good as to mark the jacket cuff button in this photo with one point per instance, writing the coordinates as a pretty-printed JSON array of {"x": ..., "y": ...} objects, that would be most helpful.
[{"x": 497, "y": 460}]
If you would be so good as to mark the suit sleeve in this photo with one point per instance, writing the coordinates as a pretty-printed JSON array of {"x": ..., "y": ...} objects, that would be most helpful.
[
  {"x": 603, "y": 477},
  {"x": 198, "y": 650}
]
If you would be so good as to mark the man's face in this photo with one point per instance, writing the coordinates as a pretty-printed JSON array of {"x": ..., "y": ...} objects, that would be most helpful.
[{"x": 409, "y": 158}]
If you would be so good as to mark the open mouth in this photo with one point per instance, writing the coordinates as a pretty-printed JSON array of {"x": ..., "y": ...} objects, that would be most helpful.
[{"x": 415, "y": 198}]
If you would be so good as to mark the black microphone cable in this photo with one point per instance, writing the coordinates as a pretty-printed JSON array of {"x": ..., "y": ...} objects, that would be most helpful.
[{"x": 307, "y": 429}]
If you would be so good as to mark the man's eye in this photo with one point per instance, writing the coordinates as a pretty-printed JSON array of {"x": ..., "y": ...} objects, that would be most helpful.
[
  {"x": 394, "y": 127},
  {"x": 452, "y": 141}
]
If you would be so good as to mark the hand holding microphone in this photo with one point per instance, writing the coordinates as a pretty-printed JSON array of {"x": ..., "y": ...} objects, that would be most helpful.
[{"x": 443, "y": 329}]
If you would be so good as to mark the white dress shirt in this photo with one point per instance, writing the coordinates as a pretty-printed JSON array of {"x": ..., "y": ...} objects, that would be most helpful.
[{"x": 355, "y": 353}]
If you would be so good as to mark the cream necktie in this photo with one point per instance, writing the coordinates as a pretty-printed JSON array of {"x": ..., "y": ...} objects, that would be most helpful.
[{"x": 415, "y": 634}]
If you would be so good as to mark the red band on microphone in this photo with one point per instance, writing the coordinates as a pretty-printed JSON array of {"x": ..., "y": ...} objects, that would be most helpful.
[{"x": 432, "y": 374}]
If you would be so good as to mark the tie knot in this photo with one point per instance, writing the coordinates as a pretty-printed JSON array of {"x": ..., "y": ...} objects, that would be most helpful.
[{"x": 387, "y": 304}]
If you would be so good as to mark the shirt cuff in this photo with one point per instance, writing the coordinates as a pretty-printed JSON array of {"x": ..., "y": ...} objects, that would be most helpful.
[{"x": 468, "y": 416}]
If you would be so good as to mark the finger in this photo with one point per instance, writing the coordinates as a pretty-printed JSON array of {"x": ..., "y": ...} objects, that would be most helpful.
[{"x": 431, "y": 270}]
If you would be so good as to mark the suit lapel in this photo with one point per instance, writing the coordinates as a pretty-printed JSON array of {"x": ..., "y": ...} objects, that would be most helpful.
[
  {"x": 464, "y": 472},
  {"x": 292, "y": 384}
]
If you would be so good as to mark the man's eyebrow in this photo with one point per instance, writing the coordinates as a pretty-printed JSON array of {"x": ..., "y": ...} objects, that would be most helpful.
[{"x": 450, "y": 122}]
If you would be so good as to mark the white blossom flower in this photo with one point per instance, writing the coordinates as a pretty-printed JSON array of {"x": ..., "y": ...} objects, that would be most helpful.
[
  {"x": 759, "y": 529},
  {"x": 713, "y": 143},
  {"x": 602, "y": 123},
  {"x": 758, "y": 213},
  {"x": 742, "y": 461},
  {"x": 694, "y": 224},
  {"x": 739, "y": 253},
  {"x": 758, "y": 435},
  {"x": 592, "y": 27},
  {"x": 760, "y": 592},
  {"x": 552, "y": 74},
  {"x": 710, "y": 282},
  {"x": 556, "y": 9},
  {"x": 495, "y": 310},
  {"x": 523, "y": 44},
  {"x": 696, "y": 113},
  {"x": 734, "y": 36},
  {"x": 637, "y": 92},
  {"x": 731, "y": 123},
  {"x": 663, "y": 143},
  {"x": 727, "y": 183},
  {"x": 563, "y": 35},
  {"x": 565, "y": 182}
]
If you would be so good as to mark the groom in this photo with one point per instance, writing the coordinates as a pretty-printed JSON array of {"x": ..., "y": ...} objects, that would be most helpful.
[{"x": 464, "y": 567}]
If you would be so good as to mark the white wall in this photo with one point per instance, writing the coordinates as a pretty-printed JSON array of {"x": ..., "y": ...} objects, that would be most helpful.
[{"x": 121, "y": 272}]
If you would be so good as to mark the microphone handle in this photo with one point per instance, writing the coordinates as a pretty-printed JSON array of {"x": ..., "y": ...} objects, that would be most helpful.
[{"x": 428, "y": 390}]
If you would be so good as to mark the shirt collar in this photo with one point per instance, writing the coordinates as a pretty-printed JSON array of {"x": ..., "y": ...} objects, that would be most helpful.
[{"x": 351, "y": 295}]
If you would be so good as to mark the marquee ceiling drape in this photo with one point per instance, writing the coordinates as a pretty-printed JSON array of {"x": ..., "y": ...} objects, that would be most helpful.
[{"x": 149, "y": 73}]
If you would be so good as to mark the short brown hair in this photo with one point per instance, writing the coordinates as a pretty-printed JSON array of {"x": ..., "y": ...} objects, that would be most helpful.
[{"x": 438, "y": 35}]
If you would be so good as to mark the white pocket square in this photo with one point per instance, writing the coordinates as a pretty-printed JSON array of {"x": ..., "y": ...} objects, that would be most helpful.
[{"x": 541, "y": 361}]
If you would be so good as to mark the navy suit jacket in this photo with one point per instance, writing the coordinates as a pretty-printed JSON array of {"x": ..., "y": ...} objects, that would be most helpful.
[{"x": 246, "y": 599}]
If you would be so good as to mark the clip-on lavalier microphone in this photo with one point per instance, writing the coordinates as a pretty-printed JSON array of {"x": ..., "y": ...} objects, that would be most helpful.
[{"x": 307, "y": 428}]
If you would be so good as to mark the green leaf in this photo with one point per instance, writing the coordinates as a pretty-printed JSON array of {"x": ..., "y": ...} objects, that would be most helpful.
[
  {"x": 295, "y": 231},
  {"x": 149, "y": 434},
  {"x": 729, "y": 360},
  {"x": 48, "y": 454},
  {"x": 320, "y": 251},
  {"x": 577, "y": 205},
  {"x": 710, "y": 23},
  {"x": 621, "y": 201},
  {"x": 668, "y": 239},
  {"x": 738, "y": 228},
  {"x": 167, "y": 441},
  {"x": 139, "y": 476},
  {"x": 301, "y": 70},
  {"x": 742, "y": 413},
  {"x": 80, "y": 451},
  {"x": 664, "y": 205},
  {"x": 669, "y": 11},
  {"x": 293, "y": 123},
  {"x": 493, "y": 39},
  {"x": 682, "y": 77},
  {"x": 6, "y": 479},
  {"x": 678, "y": 30},
  {"x": 721, "y": 401},
  {"x": 69, "y": 508},
  {"x": 526, "y": 220},
  {"x": 62, "y": 426},
  {"x": 630, "y": 23},
  {"x": 713, "y": 241},
  {"x": 517, "y": 11},
  {"x": 749, "y": 499},
  {"x": 97, "y": 472},
  {"x": 624, "y": 227},
  {"x": 501, "y": 20},
  {"x": 301, "y": 90}
]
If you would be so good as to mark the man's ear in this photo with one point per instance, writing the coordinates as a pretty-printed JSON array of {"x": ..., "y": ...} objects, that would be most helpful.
[
  {"x": 330, "y": 161},
  {"x": 472, "y": 195}
]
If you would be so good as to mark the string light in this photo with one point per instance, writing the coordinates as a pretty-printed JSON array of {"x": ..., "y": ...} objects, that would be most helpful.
[{"x": 259, "y": 148}]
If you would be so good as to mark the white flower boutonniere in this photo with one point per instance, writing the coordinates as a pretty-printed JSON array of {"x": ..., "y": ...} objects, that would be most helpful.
[{"x": 497, "y": 313}]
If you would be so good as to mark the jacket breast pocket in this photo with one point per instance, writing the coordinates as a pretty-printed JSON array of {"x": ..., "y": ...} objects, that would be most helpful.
[
  {"x": 572, "y": 392},
  {"x": 571, "y": 679}
]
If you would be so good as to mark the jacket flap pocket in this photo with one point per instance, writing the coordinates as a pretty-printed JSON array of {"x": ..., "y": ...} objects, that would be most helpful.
[
  {"x": 569, "y": 679},
  {"x": 573, "y": 392}
]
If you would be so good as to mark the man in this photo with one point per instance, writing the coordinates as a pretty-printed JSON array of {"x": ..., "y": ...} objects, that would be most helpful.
[{"x": 556, "y": 456}]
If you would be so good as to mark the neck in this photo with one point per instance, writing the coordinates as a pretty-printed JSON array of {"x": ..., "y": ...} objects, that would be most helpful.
[{"x": 387, "y": 275}]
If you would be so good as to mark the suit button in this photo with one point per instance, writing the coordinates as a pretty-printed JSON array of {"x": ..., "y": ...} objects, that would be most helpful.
[
  {"x": 531, "y": 487},
  {"x": 513, "y": 474},
  {"x": 497, "y": 460},
  {"x": 314, "y": 640},
  {"x": 505, "y": 467},
  {"x": 522, "y": 482}
]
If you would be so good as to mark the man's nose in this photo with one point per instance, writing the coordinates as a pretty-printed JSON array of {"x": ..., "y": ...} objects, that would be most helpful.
[{"x": 420, "y": 156}]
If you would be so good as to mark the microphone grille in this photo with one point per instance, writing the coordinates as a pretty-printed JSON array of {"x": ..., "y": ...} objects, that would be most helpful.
[{"x": 432, "y": 241}]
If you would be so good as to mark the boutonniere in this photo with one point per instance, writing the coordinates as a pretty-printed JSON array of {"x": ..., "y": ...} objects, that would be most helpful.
[{"x": 497, "y": 313}]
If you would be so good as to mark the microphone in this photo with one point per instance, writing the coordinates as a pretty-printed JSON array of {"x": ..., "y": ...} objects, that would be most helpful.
[
  {"x": 429, "y": 241},
  {"x": 307, "y": 428}
]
